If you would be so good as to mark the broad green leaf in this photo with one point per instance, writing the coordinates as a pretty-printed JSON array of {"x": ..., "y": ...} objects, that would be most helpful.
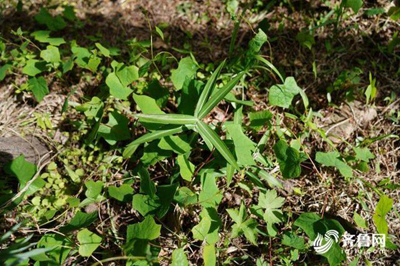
[
  {"x": 209, "y": 256},
  {"x": 331, "y": 159},
  {"x": 88, "y": 242},
  {"x": 93, "y": 189},
  {"x": 364, "y": 154},
  {"x": 3, "y": 71},
  {"x": 201, "y": 230},
  {"x": 53, "y": 23},
  {"x": 208, "y": 134},
  {"x": 93, "y": 63},
  {"x": 186, "y": 168},
  {"x": 159, "y": 93},
  {"x": 184, "y": 196},
  {"x": 167, "y": 119},
  {"x": 147, "y": 104},
  {"x": 259, "y": 119},
  {"x": 39, "y": 88},
  {"x": 186, "y": 68},
  {"x": 153, "y": 154},
  {"x": 256, "y": 43},
  {"x": 360, "y": 221},
  {"x": 145, "y": 204},
  {"x": 34, "y": 67},
  {"x": 272, "y": 204},
  {"x": 190, "y": 94},
  {"x": 44, "y": 37},
  {"x": 81, "y": 55},
  {"x": 60, "y": 247},
  {"x": 166, "y": 194},
  {"x": 177, "y": 144},
  {"x": 210, "y": 195},
  {"x": 242, "y": 226},
  {"x": 382, "y": 208},
  {"x": 306, "y": 221},
  {"x": 74, "y": 176},
  {"x": 117, "y": 90},
  {"x": 207, "y": 91},
  {"x": 215, "y": 99},
  {"x": 104, "y": 51},
  {"x": 289, "y": 160},
  {"x": 122, "y": 193},
  {"x": 116, "y": 129},
  {"x": 51, "y": 54},
  {"x": 290, "y": 239},
  {"x": 127, "y": 74},
  {"x": 179, "y": 258},
  {"x": 244, "y": 147},
  {"x": 80, "y": 220},
  {"x": 147, "y": 185},
  {"x": 282, "y": 94},
  {"x": 21, "y": 169},
  {"x": 147, "y": 229},
  {"x": 355, "y": 5}
]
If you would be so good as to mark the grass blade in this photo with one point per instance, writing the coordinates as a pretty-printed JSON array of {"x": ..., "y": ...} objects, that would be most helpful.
[
  {"x": 208, "y": 134},
  {"x": 130, "y": 149},
  {"x": 219, "y": 95},
  {"x": 208, "y": 88},
  {"x": 270, "y": 65},
  {"x": 167, "y": 119}
]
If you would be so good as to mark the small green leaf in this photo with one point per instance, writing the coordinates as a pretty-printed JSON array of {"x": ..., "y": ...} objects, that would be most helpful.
[
  {"x": 359, "y": 221},
  {"x": 184, "y": 196},
  {"x": 147, "y": 104},
  {"x": 117, "y": 90},
  {"x": 364, "y": 154},
  {"x": 177, "y": 144},
  {"x": 147, "y": 229},
  {"x": 244, "y": 147},
  {"x": 88, "y": 242},
  {"x": 282, "y": 94},
  {"x": 21, "y": 169},
  {"x": 39, "y": 88},
  {"x": 104, "y": 51},
  {"x": 33, "y": 67},
  {"x": 209, "y": 135},
  {"x": 186, "y": 168},
  {"x": 382, "y": 208},
  {"x": 51, "y": 54},
  {"x": 186, "y": 68},
  {"x": 159, "y": 31},
  {"x": 289, "y": 160},
  {"x": 147, "y": 185},
  {"x": 209, "y": 256},
  {"x": 44, "y": 37},
  {"x": 127, "y": 74},
  {"x": 3, "y": 71},
  {"x": 210, "y": 195},
  {"x": 93, "y": 188},
  {"x": 116, "y": 129},
  {"x": 201, "y": 230},
  {"x": 331, "y": 159},
  {"x": 122, "y": 193},
  {"x": 355, "y": 5},
  {"x": 80, "y": 220},
  {"x": 179, "y": 258},
  {"x": 59, "y": 246},
  {"x": 145, "y": 204},
  {"x": 259, "y": 119}
]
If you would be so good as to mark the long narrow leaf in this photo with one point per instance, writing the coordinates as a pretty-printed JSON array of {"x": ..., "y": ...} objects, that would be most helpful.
[
  {"x": 167, "y": 119},
  {"x": 270, "y": 65},
  {"x": 130, "y": 149},
  {"x": 208, "y": 134},
  {"x": 219, "y": 95},
  {"x": 208, "y": 88}
]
